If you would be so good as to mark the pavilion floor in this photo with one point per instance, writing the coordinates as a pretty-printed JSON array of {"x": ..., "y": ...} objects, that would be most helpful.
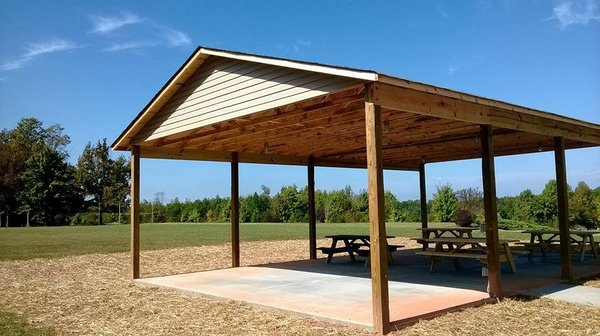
[{"x": 341, "y": 291}]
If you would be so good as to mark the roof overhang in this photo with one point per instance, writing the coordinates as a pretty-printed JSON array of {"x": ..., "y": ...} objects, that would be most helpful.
[{"x": 423, "y": 123}]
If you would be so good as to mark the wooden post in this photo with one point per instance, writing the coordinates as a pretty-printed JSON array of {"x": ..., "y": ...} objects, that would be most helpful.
[
  {"x": 423, "y": 193},
  {"x": 491, "y": 212},
  {"x": 379, "y": 262},
  {"x": 135, "y": 211},
  {"x": 563, "y": 208},
  {"x": 312, "y": 218},
  {"x": 235, "y": 211}
]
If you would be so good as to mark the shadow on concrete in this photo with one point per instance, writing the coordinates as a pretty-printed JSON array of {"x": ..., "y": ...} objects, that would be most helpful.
[{"x": 410, "y": 268}]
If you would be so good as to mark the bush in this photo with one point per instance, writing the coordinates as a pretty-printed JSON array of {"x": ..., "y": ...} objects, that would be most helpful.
[
  {"x": 85, "y": 218},
  {"x": 511, "y": 224},
  {"x": 91, "y": 218},
  {"x": 113, "y": 217},
  {"x": 463, "y": 217}
]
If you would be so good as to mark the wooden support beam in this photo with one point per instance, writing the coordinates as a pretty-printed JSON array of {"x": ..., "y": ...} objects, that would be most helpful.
[
  {"x": 135, "y": 212},
  {"x": 423, "y": 194},
  {"x": 338, "y": 114},
  {"x": 235, "y": 211},
  {"x": 563, "y": 208},
  {"x": 491, "y": 212},
  {"x": 200, "y": 155},
  {"x": 312, "y": 215},
  {"x": 379, "y": 248},
  {"x": 409, "y": 100}
]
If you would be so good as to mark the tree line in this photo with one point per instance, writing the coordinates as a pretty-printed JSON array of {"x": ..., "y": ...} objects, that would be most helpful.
[
  {"x": 464, "y": 206},
  {"x": 38, "y": 186},
  {"x": 288, "y": 205}
]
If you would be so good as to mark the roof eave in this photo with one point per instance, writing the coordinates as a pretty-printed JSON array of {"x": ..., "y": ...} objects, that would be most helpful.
[{"x": 366, "y": 75}]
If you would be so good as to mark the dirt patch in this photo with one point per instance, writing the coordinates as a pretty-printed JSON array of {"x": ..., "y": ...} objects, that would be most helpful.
[{"x": 92, "y": 295}]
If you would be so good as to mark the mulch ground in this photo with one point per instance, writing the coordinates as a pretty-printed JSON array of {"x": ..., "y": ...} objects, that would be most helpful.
[
  {"x": 92, "y": 295},
  {"x": 592, "y": 283}
]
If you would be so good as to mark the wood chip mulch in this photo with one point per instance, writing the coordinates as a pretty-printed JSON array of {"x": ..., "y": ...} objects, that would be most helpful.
[{"x": 92, "y": 295}]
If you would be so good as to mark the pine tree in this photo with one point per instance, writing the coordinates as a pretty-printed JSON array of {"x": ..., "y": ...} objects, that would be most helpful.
[{"x": 444, "y": 203}]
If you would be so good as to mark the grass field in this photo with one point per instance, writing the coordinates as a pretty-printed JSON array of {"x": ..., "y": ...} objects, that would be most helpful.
[
  {"x": 14, "y": 325},
  {"x": 51, "y": 242}
]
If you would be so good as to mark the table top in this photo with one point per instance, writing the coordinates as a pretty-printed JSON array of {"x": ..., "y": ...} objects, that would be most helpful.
[
  {"x": 456, "y": 240},
  {"x": 458, "y": 228},
  {"x": 352, "y": 236},
  {"x": 575, "y": 232}
]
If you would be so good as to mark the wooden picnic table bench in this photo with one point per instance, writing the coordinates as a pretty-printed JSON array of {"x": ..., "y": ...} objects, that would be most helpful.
[
  {"x": 354, "y": 244},
  {"x": 471, "y": 248},
  {"x": 438, "y": 232},
  {"x": 547, "y": 240}
]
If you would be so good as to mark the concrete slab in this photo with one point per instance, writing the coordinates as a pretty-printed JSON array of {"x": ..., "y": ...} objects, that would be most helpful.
[
  {"x": 582, "y": 295},
  {"x": 341, "y": 291},
  {"x": 339, "y": 298}
]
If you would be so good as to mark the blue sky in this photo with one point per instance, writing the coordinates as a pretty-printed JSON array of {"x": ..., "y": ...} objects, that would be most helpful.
[{"x": 91, "y": 66}]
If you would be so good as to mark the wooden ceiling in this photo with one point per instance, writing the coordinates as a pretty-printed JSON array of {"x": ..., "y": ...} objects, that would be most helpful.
[{"x": 331, "y": 128}]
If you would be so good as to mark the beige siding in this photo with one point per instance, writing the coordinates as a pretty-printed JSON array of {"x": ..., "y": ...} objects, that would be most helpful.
[{"x": 223, "y": 89}]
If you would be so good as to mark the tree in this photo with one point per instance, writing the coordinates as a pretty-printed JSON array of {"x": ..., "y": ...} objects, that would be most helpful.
[
  {"x": 392, "y": 208},
  {"x": 339, "y": 205},
  {"x": 524, "y": 204},
  {"x": 104, "y": 181},
  {"x": 12, "y": 163},
  {"x": 544, "y": 209},
  {"x": 360, "y": 207},
  {"x": 289, "y": 205},
  {"x": 507, "y": 207},
  {"x": 49, "y": 191},
  {"x": 410, "y": 211},
  {"x": 28, "y": 155},
  {"x": 255, "y": 208},
  {"x": 582, "y": 207},
  {"x": 444, "y": 203},
  {"x": 470, "y": 199},
  {"x": 321, "y": 205}
]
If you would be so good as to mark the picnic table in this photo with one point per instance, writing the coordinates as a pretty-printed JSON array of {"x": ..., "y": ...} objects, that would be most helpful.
[
  {"x": 471, "y": 248},
  {"x": 354, "y": 244},
  {"x": 458, "y": 231},
  {"x": 439, "y": 232},
  {"x": 544, "y": 240}
]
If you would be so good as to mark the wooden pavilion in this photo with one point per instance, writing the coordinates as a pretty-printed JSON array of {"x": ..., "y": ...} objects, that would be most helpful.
[{"x": 235, "y": 107}]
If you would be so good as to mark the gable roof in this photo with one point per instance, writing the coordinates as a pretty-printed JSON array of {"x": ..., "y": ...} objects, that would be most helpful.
[{"x": 198, "y": 57}]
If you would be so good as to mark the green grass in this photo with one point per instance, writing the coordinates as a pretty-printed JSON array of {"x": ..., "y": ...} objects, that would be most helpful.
[
  {"x": 51, "y": 242},
  {"x": 13, "y": 325}
]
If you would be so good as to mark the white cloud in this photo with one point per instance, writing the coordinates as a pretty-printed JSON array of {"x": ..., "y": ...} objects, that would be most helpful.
[
  {"x": 300, "y": 43},
  {"x": 149, "y": 34},
  {"x": 576, "y": 12},
  {"x": 107, "y": 24},
  {"x": 37, "y": 49},
  {"x": 304, "y": 42},
  {"x": 452, "y": 68},
  {"x": 175, "y": 38},
  {"x": 130, "y": 45},
  {"x": 13, "y": 64}
]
